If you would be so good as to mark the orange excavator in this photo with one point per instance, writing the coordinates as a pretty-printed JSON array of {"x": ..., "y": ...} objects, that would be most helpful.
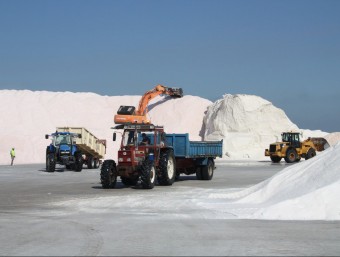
[{"x": 129, "y": 114}]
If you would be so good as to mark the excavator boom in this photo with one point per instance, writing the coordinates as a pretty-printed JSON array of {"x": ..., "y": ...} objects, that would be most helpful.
[{"x": 128, "y": 114}]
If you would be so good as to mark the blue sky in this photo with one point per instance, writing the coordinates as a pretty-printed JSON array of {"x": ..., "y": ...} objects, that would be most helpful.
[{"x": 287, "y": 52}]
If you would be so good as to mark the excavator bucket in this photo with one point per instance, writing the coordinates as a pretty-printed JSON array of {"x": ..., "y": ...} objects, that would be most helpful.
[
  {"x": 175, "y": 92},
  {"x": 320, "y": 143}
]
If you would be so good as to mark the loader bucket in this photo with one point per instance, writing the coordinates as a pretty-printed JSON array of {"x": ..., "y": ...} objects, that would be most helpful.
[{"x": 320, "y": 143}]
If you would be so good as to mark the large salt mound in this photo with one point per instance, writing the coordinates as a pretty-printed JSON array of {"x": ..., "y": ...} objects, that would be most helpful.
[
  {"x": 248, "y": 124},
  {"x": 27, "y": 116},
  {"x": 333, "y": 138},
  {"x": 307, "y": 190}
]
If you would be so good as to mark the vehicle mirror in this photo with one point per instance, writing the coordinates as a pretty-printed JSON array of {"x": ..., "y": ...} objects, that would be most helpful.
[
  {"x": 114, "y": 137},
  {"x": 46, "y": 136},
  {"x": 79, "y": 135}
]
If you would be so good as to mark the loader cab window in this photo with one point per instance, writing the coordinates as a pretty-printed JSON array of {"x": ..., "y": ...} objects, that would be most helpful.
[
  {"x": 292, "y": 138},
  {"x": 286, "y": 137}
]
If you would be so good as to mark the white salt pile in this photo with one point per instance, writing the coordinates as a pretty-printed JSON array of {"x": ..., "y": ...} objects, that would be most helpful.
[
  {"x": 248, "y": 124},
  {"x": 308, "y": 191},
  {"x": 27, "y": 116},
  {"x": 333, "y": 138}
]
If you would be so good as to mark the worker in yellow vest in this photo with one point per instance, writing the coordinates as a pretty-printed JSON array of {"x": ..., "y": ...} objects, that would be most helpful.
[{"x": 12, "y": 153}]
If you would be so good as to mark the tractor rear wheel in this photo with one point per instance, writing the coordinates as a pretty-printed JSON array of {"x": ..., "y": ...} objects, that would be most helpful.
[
  {"x": 275, "y": 159},
  {"x": 90, "y": 162},
  {"x": 167, "y": 168},
  {"x": 78, "y": 164},
  {"x": 311, "y": 153},
  {"x": 108, "y": 177},
  {"x": 291, "y": 155},
  {"x": 208, "y": 170},
  {"x": 50, "y": 162},
  {"x": 148, "y": 174}
]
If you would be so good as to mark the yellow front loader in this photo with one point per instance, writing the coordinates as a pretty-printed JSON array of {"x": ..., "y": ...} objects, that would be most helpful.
[{"x": 292, "y": 149}]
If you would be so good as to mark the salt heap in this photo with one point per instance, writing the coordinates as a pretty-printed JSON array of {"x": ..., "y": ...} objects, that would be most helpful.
[
  {"x": 247, "y": 124},
  {"x": 27, "y": 116},
  {"x": 304, "y": 191}
]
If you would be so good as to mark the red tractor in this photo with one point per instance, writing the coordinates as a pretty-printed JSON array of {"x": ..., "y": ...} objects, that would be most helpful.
[{"x": 143, "y": 155}]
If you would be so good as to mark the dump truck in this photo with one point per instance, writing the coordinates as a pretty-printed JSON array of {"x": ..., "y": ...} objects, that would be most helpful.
[
  {"x": 130, "y": 114},
  {"x": 74, "y": 147},
  {"x": 292, "y": 149},
  {"x": 160, "y": 158}
]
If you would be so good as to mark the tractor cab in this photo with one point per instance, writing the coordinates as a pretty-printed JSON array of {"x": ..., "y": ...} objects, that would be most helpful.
[{"x": 292, "y": 137}]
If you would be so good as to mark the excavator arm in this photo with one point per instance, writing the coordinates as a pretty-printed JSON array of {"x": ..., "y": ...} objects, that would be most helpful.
[
  {"x": 128, "y": 114},
  {"x": 158, "y": 90}
]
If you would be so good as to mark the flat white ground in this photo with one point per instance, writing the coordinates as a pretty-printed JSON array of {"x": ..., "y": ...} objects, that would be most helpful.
[{"x": 68, "y": 213}]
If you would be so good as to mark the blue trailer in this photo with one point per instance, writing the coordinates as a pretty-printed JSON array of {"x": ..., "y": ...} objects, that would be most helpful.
[{"x": 194, "y": 156}]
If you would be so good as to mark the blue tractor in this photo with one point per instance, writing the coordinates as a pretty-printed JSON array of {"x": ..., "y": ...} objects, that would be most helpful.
[{"x": 63, "y": 151}]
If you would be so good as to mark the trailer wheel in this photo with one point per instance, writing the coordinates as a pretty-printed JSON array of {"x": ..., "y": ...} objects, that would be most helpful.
[
  {"x": 96, "y": 163},
  {"x": 78, "y": 164},
  {"x": 178, "y": 175},
  {"x": 148, "y": 174},
  {"x": 208, "y": 170},
  {"x": 291, "y": 155},
  {"x": 129, "y": 181},
  {"x": 275, "y": 159},
  {"x": 90, "y": 162},
  {"x": 167, "y": 168},
  {"x": 108, "y": 176},
  {"x": 50, "y": 163},
  {"x": 199, "y": 173},
  {"x": 310, "y": 154}
]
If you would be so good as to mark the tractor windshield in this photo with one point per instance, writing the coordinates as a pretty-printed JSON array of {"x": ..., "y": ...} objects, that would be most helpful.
[
  {"x": 62, "y": 139},
  {"x": 128, "y": 138}
]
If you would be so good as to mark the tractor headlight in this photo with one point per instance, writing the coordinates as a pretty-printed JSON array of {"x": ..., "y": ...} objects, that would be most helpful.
[{"x": 120, "y": 159}]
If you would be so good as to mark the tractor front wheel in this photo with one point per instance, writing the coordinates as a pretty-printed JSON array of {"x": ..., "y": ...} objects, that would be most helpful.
[
  {"x": 108, "y": 177},
  {"x": 148, "y": 174},
  {"x": 50, "y": 162},
  {"x": 291, "y": 155},
  {"x": 275, "y": 159}
]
